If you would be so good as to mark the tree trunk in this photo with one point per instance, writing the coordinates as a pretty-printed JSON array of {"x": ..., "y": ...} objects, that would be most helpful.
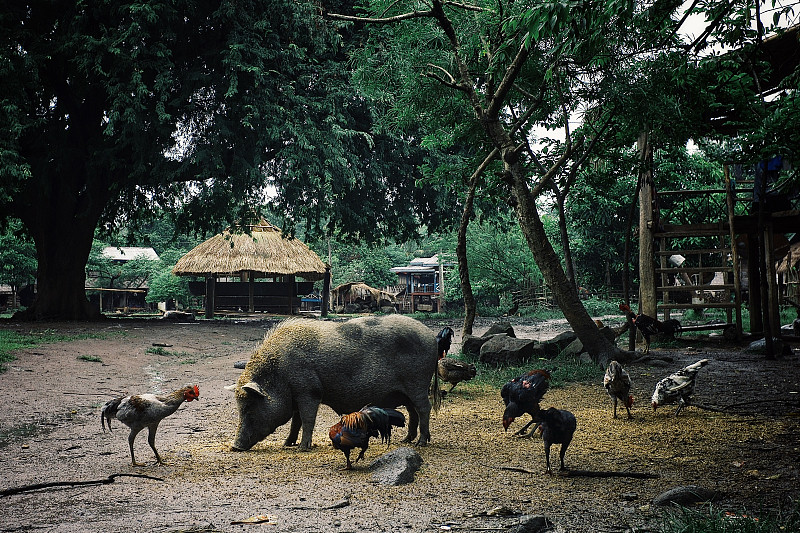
[
  {"x": 62, "y": 249},
  {"x": 599, "y": 347},
  {"x": 562, "y": 226},
  {"x": 647, "y": 284},
  {"x": 470, "y": 307}
]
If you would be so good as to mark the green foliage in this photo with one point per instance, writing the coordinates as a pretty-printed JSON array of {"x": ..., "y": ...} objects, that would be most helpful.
[
  {"x": 90, "y": 358},
  {"x": 563, "y": 371},
  {"x": 715, "y": 520},
  {"x": 17, "y": 257}
]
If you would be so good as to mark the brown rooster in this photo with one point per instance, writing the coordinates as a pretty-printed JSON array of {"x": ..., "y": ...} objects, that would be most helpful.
[
  {"x": 145, "y": 411},
  {"x": 618, "y": 386},
  {"x": 354, "y": 430},
  {"x": 454, "y": 371},
  {"x": 650, "y": 326}
]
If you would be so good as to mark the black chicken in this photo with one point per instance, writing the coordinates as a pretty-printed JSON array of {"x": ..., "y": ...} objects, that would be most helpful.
[
  {"x": 617, "y": 383},
  {"x": 354, "y": 430},
  {"x": 522, "y": 395},
  {"x": 650, "y": 326},
  {"x": 443, "y": 340},
  {"x": 454, "y": 371},
  {"x": 678, "y": 387},
  {"x": 558, "y": 427}
]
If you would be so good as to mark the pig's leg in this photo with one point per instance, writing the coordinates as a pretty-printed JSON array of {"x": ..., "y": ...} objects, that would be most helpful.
[
  {"x": 424, "y": 413},
  {"x": 413, "y": 423},
  {"x": 308, "y": 415},
  {"x": 294, "y": 430}
]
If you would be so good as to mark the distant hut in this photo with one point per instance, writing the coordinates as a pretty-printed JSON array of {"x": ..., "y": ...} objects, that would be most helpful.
[
  {"x": 360, "y": 297},
  {"x": 263, "y": 253}
]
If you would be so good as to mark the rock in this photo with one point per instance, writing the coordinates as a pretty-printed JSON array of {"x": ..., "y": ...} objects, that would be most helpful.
[
  {"x": 502, "y": 350},
  {"x": 471, "y": 345},
  {"x": 240, "y": 364},
  {"x": 563, "y": 340},
  {"x": 500, "y": 327},
  {"x": 573, "y": 349},
  {"x": 760, "y": 347},
  {"x": 685, "y": 495},
  {"x": 177, "y": 315},
  {"x": 396, "y": 467},
  {"x": 532, "y": 524},
  {"x": 388, "y": 309}
]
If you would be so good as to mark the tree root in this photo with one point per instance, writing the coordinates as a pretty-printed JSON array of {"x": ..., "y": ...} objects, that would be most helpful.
[
  {"x": 587, "y": 473},
  {"x": 38, "y": 486}
]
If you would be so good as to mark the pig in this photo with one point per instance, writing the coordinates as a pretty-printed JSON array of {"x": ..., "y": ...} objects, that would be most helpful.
[{"x": 384, "y": 361}]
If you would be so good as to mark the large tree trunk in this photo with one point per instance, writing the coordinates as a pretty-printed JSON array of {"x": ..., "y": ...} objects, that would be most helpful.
[
  {"x": 62, "y": 212},
  {"x": 599, "y": 347},
  {"x": 62, "y": 252}
]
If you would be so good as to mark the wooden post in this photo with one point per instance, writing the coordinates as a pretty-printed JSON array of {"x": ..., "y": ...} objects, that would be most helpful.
[
  {"x": 251, "y": 289},
  {"x": 326, "y": 291},
  {"x": 211, "y": 285},
  {"x": 754, "y": 283},
  {"x": 440, "y": 301},
  {"x": 737, "y": 283},
  {"x": 647, "y": 292},
  {"x": 291, "y": 294}
]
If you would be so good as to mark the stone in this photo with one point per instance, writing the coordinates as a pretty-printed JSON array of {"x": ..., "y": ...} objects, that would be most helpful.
[
  {"x": 396, "y": 467},
  {"x": 532, "y": 524},
  {"x": 500, "y": 327},
  {"x": 685, "y": 495},
  {"x": 505, "y": 350},
  {"x": 471, "y": 345}
]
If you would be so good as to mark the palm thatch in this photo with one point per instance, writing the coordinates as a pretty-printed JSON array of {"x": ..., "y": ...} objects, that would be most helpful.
[
  {"x": 350, "y": 292},
  {"x": 790, "y": 261},
  {"x": 264, "y": 251}
]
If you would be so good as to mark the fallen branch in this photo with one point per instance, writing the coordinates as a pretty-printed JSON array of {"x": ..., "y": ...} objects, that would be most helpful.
[
  {"x": 338, "y": 505},
  {"x": 586, "y": 473},
  {"x": 37, "y": 486}
]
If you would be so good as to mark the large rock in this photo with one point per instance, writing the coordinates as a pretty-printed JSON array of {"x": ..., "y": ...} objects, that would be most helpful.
[
  {"x": 685, "y": 496},
  {"x": 500, "y": 327},
  {"x": 396, "y": 467},
  {"x": 532, "y": 524},
  {"x": 471, "y": 345},
  {"x": 505, "y": 350}
]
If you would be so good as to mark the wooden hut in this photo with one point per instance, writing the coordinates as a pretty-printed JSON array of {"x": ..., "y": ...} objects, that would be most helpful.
[{"x": 262, "y": 252}]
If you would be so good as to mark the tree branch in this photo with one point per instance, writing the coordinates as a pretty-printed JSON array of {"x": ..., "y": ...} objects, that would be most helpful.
[{"x": 381, "y": 20}]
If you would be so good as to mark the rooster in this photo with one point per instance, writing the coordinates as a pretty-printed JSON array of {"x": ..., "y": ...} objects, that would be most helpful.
[
  {"x": 454, "y": 371},
  {"x": 443, "y": 340},
  {"x": 678, "y": 387},
  {"x": 354, "y": 430},
  {"x": 522, "y": 395},
  {"x": 558, "y": 427},
  {"x": 618, "y": 386},
  {"x": 650, "y": 326},
  {"x": 145, "y": 411}
]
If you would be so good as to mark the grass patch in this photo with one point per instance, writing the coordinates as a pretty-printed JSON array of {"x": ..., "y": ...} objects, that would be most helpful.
[
  {"x": 713, "y": 520},
  {"x": 186, "y": 357},
  {"x": 11, "y": 341},
  {"x": 90, "y": 358}
]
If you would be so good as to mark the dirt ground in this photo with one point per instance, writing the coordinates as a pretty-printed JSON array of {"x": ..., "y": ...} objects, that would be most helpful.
[{"x": 50, "y": 400}]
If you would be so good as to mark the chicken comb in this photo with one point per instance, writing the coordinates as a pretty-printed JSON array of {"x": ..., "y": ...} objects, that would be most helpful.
[
  {"x": 624, "y": 307},
  {"x": 196, "y": 391}
]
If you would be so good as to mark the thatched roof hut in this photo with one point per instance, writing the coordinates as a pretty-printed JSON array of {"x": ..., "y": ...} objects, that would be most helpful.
[{"x": 264, "y": 252}]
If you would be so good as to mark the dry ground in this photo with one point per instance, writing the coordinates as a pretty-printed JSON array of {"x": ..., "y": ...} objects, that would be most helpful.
[{"x": 50, "y": 431}]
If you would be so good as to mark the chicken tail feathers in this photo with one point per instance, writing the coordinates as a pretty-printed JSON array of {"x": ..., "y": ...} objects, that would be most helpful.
[
  {"x": 375, "y": 419},
  {"x": 108, "y": 412}
]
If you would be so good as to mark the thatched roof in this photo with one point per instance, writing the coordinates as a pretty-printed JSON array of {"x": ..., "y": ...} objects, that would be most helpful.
[
  {"x": 359, "y": 289},
  {"x": 264, "y": 251},
  {"x": 791, "y": 259}
]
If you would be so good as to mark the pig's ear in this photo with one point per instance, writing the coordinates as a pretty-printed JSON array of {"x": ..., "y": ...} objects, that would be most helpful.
[{"x": 252, "y": 386}]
